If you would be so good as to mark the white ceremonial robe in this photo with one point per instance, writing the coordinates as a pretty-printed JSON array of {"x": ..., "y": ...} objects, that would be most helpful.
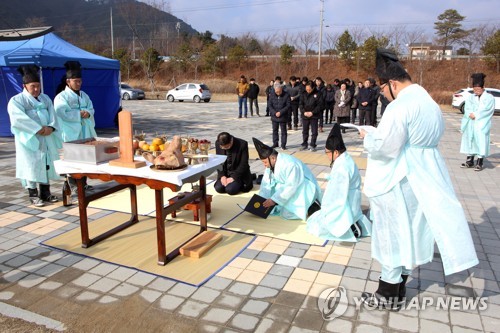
[
  {"x": 410, "y": 191},
  {"x": 341, "y": 204},
  {"x": 68, "y": 105},
  {"x": 292, "y": 186},
  {"x": 34, "y": 152},
  {"x": 476, "y": 132}
]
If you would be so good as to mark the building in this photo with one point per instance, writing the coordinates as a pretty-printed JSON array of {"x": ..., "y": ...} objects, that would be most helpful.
[{"x": 429, "y": 51}]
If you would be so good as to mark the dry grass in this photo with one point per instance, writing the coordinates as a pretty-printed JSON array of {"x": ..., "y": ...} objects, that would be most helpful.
[{"x": 440, "y": 78}]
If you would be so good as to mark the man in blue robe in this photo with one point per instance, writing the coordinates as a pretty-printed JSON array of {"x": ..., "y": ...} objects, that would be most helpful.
[
  {"x": 413, "y": 204},
  {"x": 34, "y": 125},
  {"x": 341, "y": 219},
  {"x": 75, "y": 111},
  {"x": 288, "y": 184},
  {"x": 476, "y": 124}
]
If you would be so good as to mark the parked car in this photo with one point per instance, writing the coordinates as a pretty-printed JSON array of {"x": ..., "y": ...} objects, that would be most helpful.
[
  {"x": 127, "y": 92},
  {"x": 190, "y": 92},
  {"x": 461, "y": 95}
]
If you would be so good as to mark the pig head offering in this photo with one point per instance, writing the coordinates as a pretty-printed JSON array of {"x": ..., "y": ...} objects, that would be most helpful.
[{"x": 170, "y": 158}]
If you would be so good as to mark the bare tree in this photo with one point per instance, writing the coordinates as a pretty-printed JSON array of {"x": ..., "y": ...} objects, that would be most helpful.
[
  {"x": 307, "y": 39},
  {"x": 358, "y": 34},
  {"x": 331, "y": 40}
]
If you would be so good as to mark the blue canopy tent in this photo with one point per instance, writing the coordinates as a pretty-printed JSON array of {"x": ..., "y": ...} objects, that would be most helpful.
[{"x": 100, "y": 75}]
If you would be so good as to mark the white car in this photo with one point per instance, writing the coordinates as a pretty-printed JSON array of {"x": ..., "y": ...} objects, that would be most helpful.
[
  {"x": 460, "y": 96},
  {"x": 190, "y": 92}
]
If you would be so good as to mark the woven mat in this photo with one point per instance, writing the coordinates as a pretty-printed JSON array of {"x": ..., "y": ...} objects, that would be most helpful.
[
  {"x": 135, "y": 247},
  {"x": 322, "y": 159}
]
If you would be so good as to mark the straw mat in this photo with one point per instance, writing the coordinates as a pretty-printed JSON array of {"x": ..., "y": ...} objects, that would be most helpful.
[{"x": 135, "y": 247}]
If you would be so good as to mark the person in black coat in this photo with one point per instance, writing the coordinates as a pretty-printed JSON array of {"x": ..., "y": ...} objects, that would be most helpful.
[
  {"x": 279, "y": 108},
  {"x": 365, "y": 101},
  {"x": 269, "y": 91},
  {"x": 235, "y": 176},
  {"x": 253, "y": 95},
  {"x": 310, "y": 107}
]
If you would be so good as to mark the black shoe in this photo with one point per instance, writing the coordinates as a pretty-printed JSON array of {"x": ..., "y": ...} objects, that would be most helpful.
[
  {"x": 479, "y": 164},
  {"x": 313, "y": 149},
  {"x": 239, "y": 117},
  {"x": 274, "y": 146},
  {"x": 356, "y": 230},
  {"x": 402, "y": 290},
  {"x": 469, "y": 163},
  {"x": 283, "y": 148},
  {"x": 37, "y": 202},
  {"x": 303, "y": 148},
  {"x": 386, "y": 297}
]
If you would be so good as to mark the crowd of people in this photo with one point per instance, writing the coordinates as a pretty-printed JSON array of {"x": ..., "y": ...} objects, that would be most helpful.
[{"x": 310, "y": 104}]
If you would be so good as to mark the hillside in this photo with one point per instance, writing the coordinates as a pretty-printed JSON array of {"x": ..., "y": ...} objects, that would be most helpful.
[
  {"x": 440, "y": 78},
  {"x": 86, "y": 23}
]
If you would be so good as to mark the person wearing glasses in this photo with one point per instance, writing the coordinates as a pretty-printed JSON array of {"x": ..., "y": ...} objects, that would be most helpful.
[
  {"x": 235, "y": 176},
  {"x": 412, "y": 201},
  {"x": 341, "y": 219},
  {"x": 75, "y": 111}
]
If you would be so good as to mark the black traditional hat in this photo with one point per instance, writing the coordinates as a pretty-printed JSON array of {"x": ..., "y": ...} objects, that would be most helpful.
[
  {"x": 478, "y": 79},
  {"x": 388, "y": 66},
  {"x": 334, "y": 140},
  {"x": 263, "y": 150},
  {"x": 73, "y": 70},
  {"x": 29, "y": 73}
]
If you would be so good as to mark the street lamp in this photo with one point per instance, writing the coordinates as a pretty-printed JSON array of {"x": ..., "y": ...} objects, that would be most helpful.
[{"x": 320, "y": 32}]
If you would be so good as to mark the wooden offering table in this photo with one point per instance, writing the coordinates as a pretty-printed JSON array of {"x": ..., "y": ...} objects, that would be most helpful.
[{"x": 118, "y": 178}]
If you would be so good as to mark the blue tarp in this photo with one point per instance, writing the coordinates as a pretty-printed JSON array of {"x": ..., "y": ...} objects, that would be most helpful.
[{"x": 100, "y": 75}]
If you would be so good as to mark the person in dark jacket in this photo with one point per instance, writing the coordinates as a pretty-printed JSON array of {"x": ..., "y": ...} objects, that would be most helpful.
[
  {"x": 321, "y": 89},
  {"x": 235, "y": 176},
  {"x": 365, "y": 101},
  {"x": 279, "y": 108},
  {"x": 310, "y": 106},
  {"x": 253, "y": 95},
  {"x": 294, "y": 92},
  {"x": 329, "y": 101},
  {"x": 269, "y": 91},
  {"x": 376, "y": 92}
]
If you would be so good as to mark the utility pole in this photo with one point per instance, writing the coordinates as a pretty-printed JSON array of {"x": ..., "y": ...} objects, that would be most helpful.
[
  {"x": 320, "y": 32},
  {"x": 112, "y": 42}
]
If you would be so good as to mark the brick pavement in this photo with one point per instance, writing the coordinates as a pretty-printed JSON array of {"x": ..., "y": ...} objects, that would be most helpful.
[{"x": 271, "y": 287}]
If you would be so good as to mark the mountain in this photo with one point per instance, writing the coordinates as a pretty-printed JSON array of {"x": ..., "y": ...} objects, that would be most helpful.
[{"x": 86, "y": 23}]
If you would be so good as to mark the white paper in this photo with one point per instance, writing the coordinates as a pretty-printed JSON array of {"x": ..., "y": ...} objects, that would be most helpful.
[{"x": 365, "y": 128}]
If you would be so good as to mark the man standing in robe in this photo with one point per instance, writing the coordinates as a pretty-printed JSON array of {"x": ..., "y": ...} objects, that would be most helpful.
[
  {"x": 341, "y": 219},
  {"x": 476, "y": 124},
  {"x": 74, "y": 110},
  {"x": 288, "y": 184},
  {"x": 413, "y": 204},
  {"x": 34, "y": 125}
]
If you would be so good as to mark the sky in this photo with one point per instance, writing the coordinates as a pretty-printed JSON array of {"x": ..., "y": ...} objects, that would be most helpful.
[{"x": 267, "y": 17}]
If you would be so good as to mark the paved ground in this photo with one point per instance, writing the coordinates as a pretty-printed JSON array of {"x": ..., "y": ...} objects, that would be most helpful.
[{"x": 271, "y": 287}]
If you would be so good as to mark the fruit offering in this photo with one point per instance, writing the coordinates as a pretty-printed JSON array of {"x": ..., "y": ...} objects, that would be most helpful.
[
  {"x": 204, "y": 145},
  {"x": 192, "y": 145}
]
